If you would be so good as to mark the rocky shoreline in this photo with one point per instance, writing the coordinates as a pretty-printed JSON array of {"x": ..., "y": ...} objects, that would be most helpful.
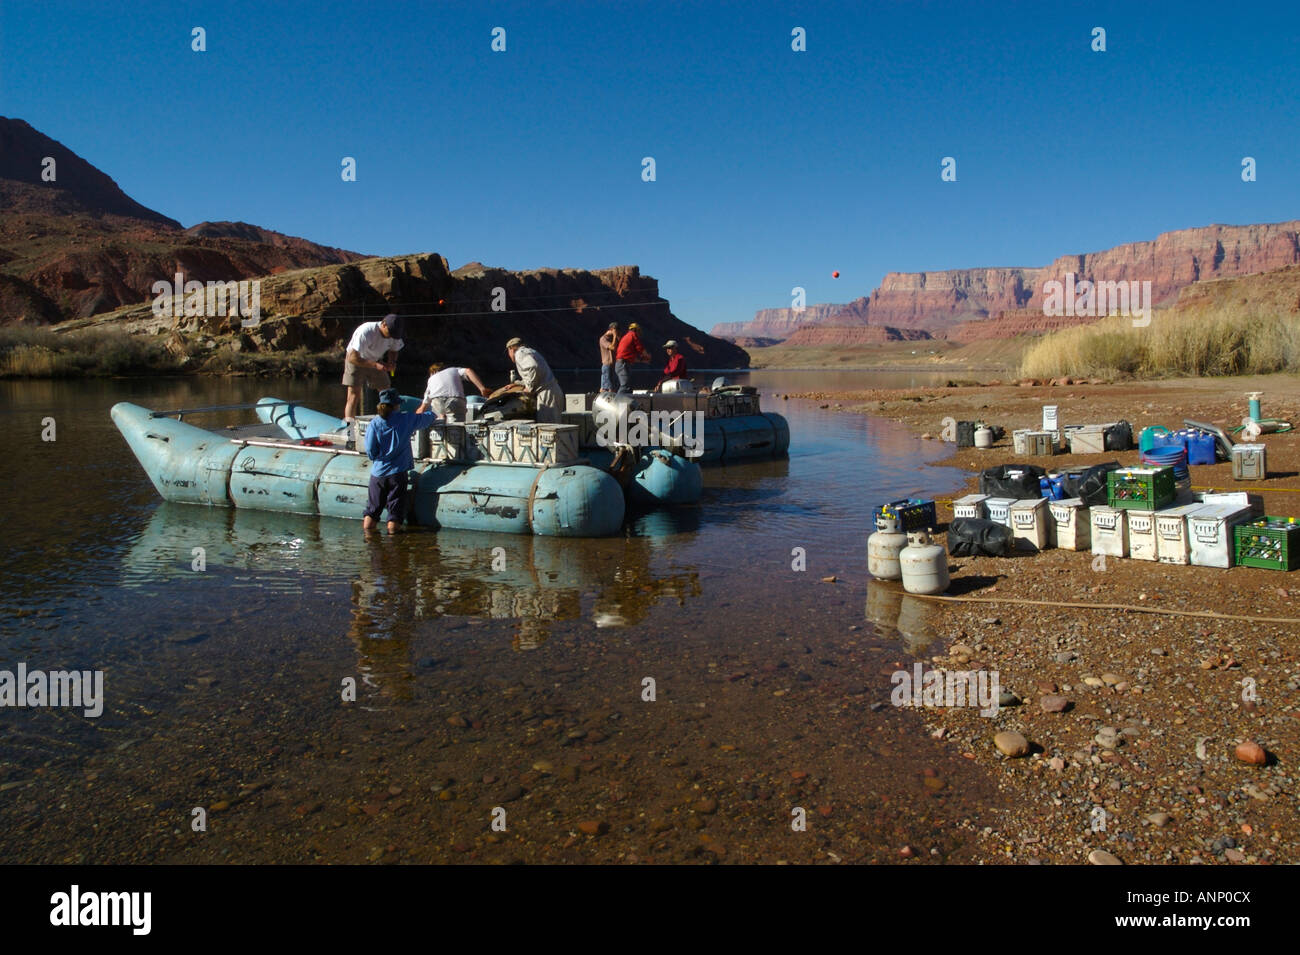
[{"x": 1125, "y": 736}]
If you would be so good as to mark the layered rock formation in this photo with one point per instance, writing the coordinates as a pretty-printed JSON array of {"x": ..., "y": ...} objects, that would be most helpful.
[
  {"x": 777, "y": 324},
  {"x": 971, "y": 304},
  {"x": 78, "y": 245},
  {"x": 449, "y": 315},
  {"x": 80, "y": 249},
  {"x": 814, "y": 336}
]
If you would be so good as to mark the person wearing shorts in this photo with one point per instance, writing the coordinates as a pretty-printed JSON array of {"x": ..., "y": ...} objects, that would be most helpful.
[
  {"x": 371, "y": 359},
  {"x": 388, "y": 445},
  {"x": 445, "y": 392}
]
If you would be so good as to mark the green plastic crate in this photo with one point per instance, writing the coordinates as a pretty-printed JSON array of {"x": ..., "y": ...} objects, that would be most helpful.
[
  {"x": 1144, "y": 489},
  {"x": 1272, "y": 543}
]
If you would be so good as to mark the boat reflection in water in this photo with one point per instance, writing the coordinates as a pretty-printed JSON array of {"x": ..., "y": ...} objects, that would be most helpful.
[
  {"x": 892, "y": 611},
  {"x": 422, "y": 575}
]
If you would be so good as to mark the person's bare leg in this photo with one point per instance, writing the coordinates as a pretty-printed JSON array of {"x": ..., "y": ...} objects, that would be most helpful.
[
  {"x": 392, "y": 527},
  {"x": 368, "y": 523},
  {"x": 350, "y": 408}
]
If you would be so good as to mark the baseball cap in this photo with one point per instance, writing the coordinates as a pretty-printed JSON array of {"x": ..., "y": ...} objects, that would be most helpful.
[
  {"x": 513, "y": 343},
  {"x": 394, "y": 324},
  {"x": 390, "y": 396},
  {"x": 671, "y": 343},
  {"x": 635, "y": 327}
]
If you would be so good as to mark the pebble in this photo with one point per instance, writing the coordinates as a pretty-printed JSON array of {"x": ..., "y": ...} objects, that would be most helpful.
[
  {"x": 708, "y": 806},
  {"x": 1107, "y": 737},
  {"x": 1159, "y": 819},
  {"x": 1110, "y": 679},
  {"x": 543, "y": 766},
  {"x": 1093, "y": 681},
  {"x": 1102, "y": 857},
  {"x": 1011, "y": 743},
  {"x": 1053, "y": 704},
  {"x": 513, "y": 793},
  {"x": 593, "y": 827},
  {"x": 1248, "y": 751},
  {"x": 457, "y": 721},
  {"x": 1007, "y": 698},
  {"x": 1235, "y": 855}
]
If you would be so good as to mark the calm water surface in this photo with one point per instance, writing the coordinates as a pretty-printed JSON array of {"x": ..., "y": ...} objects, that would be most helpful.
[{"x": 491, "y": 670}]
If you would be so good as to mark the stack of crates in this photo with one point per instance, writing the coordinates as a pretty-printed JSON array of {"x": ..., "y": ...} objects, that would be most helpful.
[
  {"x": 1272, "y": 543},
  {"x": 915, "y": 513},
  {"x": 1143, "y": 489}
]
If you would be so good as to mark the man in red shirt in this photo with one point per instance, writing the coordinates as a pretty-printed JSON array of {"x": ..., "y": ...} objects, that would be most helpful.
[
  {"x": 629, "y": 349},
  {"x": 676, "y": 367}
]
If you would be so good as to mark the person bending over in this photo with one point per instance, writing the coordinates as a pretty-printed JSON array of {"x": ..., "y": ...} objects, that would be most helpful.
[{"x": 445, "y": 392}]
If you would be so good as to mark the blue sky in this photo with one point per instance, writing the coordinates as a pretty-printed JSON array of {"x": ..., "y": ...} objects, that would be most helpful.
[{"x": 774, "y": 168}]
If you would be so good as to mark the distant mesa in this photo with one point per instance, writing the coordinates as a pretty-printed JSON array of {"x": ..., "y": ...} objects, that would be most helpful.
[{"x": 973, "y": 304}]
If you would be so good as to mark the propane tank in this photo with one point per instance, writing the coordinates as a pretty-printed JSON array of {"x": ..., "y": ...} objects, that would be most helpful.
[
  {"x": 924, "y": 565},
  {"x": 884, "y": 546},
  {"x": 984, "y": 436}
]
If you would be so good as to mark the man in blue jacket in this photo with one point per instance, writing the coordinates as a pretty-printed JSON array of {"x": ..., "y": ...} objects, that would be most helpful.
[{"x": 388, "y": 445}]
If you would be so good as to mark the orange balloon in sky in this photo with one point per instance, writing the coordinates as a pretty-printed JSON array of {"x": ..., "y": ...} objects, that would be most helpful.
[{"x": 835, "y": 275}]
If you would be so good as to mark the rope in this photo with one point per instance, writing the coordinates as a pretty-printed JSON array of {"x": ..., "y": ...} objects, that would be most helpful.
[{"x": 1206, "y": 614}]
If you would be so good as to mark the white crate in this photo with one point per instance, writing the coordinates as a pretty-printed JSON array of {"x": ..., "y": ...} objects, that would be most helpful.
[
  {"x": 1141, "y": 534},
  {"x": 1109, "y": 531},
  {"x": 999, "y": 509},
  {"x": 447, "y": 443},
  {"x": 1071, "y": 524},
  {"x": 1019, "y": 442},
  {"x": 1029, "y": 520},
  {"x": 1249, "y": 462},
  {"x": 1210, "y": 533},
  {"x": 359, "y": 424},
  {"x": 1172, "y": 543},
  {"x": 971, "y": 506},
  {"x": 557, "y": 443},
  {"x": 1089, "y": 439}
]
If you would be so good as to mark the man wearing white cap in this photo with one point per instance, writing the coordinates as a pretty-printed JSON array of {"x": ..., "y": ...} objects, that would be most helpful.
[
  {"x": 538, "y": 380},
  {"x": 371, "y": 359},
  {"x": 676, "y": 367}
]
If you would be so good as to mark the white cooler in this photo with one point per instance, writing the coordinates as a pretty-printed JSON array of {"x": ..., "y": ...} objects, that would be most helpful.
[
  {"x": 1210, "y": 533},
  {"x": 971, "y": 506},
  {"x": 1141, "y": 534},
  {"x": 999, "y": 509},
  {"x": 1071, "y": 524},
  {"x": 1172, "y": 543},
  {"x": 1109, "y": 532},
  {"x": 1029, "y": 520}
]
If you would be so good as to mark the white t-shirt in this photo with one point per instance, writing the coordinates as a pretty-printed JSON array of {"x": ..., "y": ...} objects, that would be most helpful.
[
  {"x": 448, "y": 383},
  {"x": 369, "y": 342}
]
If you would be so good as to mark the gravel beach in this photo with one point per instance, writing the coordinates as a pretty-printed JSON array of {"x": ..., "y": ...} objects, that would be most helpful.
[{"x": 1148, "y": 737}]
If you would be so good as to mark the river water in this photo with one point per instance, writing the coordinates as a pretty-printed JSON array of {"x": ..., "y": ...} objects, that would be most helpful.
[{"x": 497, "y": 677}]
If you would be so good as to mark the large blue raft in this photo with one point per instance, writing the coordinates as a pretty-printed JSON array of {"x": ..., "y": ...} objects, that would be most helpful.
[
  {"x": 192, "y": 465},
  {"x": 659, "y": 477}
]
